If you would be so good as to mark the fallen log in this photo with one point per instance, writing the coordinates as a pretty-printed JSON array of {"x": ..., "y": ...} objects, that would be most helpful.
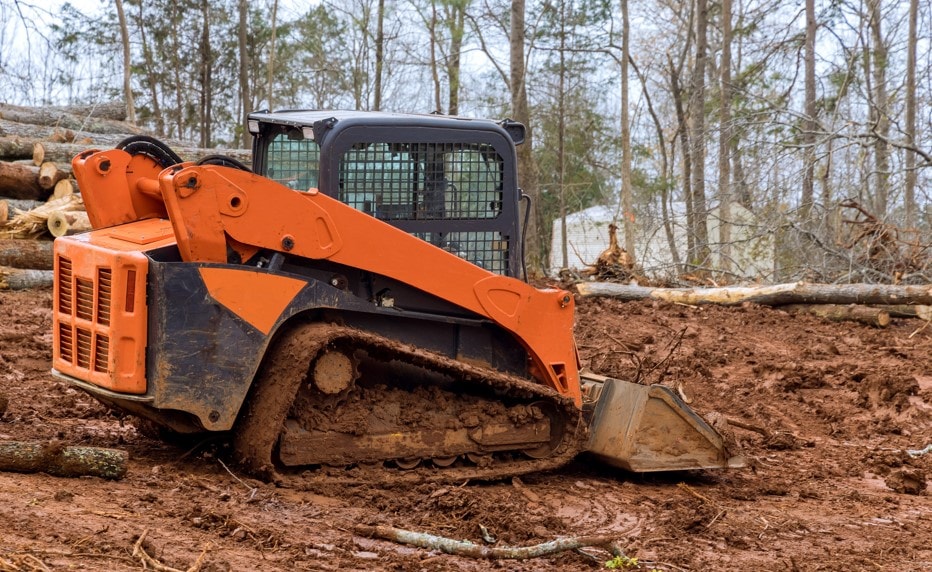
[
  {"x": 115, "y": 110},
  {"x": 21, "y": 147},
  {"x": 61, "y": 461},
  {"x": 19, "y": 181},
  {"x": 54, "y": 135},
  {"x": 61, "y": 223},
  {"x": 906, "y": 311},
  {"x": 777, "y": 295},
  {"x": 49, "y": 175},
  {"x": 64, "y": 188},
  {"x": 24, "y": 278},
  {"x": 471, "y": 550},
  {"x": 26, "y": 254},
  {"x": 32, "y": 223},
  {"x": 838, "y": 313},
  {"x": 9, "y": 206},
  {"x": 38, "y": 154},
  {"x": 51, "y": 117}
]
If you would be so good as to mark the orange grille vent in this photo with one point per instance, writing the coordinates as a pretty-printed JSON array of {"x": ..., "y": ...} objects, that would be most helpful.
[
  {"x": 101, "y": 316},
  {"x": 84, "y": 348},
  {"x": 101, "y": 353},
  {"x": 85, "y": 309},
  {"x": 64, "y": 285},
  {"x": 66, "y": 342},
  {"x": 104, "y": 288}
]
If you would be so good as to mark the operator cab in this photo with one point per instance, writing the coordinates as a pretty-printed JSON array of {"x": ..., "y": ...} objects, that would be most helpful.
[{"x": 449, "y": 181}]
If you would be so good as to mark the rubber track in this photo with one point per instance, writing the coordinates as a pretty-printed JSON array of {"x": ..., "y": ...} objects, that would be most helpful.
[{"x": 286, "y": 365}]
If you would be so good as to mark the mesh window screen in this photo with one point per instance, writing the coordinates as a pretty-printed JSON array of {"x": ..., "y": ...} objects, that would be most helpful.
[
  {"x": 294, "y": 163},
  {"x": 422, "y": 181}
]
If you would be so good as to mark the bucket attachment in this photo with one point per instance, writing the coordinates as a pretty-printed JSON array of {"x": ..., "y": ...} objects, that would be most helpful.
[{"x": 645, "y": 428}]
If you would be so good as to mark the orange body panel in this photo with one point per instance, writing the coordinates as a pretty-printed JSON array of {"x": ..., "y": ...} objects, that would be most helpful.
[
  {"x": 209, "y": 204},
  {"x": 257, "y": 297},
  {"x": 99, "y": 306},
  {"x": 113, "y": 185}
]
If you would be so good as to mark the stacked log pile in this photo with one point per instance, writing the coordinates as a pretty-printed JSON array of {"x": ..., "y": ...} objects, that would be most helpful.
[{"x": 39, "y": 198}]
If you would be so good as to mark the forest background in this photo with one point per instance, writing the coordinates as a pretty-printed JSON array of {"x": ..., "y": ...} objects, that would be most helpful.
[{"x": 814, "y": 115}]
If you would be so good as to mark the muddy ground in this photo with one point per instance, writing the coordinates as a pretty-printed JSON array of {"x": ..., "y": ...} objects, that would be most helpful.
[{"x": 829, "y": 485}]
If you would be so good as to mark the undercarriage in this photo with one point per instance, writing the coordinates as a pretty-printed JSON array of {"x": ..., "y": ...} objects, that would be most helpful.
[{"x": 332, "y": 396}]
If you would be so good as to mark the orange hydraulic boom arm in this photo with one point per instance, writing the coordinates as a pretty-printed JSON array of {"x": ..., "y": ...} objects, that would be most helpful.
[{"x": 211, "y": 207}]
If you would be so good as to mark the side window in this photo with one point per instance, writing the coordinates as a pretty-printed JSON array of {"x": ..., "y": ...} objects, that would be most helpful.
[
  {"x": 381, "y": 179},
  {"x": 439, "y": 185},
  {"x": 293, "y": 161},
  {"x": 422, "y": 181},
  {"x": 474, "y": 182}
]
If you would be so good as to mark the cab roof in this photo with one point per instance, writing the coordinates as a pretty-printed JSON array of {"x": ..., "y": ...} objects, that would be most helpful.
[{"x": 325, "y": 119}]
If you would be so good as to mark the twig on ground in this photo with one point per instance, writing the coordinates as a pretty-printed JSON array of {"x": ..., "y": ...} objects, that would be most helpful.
[
  {"x": 252, "y": 490},
  {"x": 747, "y": 426},
  {"x": 922, "y": 327},
  {"x": 693, "y": 492},
  {"x": 149, "y": 561},
  {"x": 672, "y": 349},
  {"x": 470, "y": 550},
  {"x": 919, "y": 452}
]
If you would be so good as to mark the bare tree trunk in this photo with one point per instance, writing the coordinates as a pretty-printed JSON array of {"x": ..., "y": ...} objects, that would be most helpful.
[
  {"x": 271, "y": 68},
  {"x": 379, "y": 54},
  {"x": 626, "y": 191},
  {"x": 207, "y": 64},
  {"x": 910, "y": 188},
  {"x": 127, "y": 68},
  {"x": 434, "y": 64},
  {"x": 527, "y": 169},
  {"x": 561, "y": 137},
  {"x": 724, "y": 145},
  {"x": 697, "y": 119},
  {"x": 809, "y": 125},
  {"x": 150, "y": 75},
  {"x": 180, "y": 89},
  {"x": 666, "y": 170},
  {"x": 244, "y": 69},
  {"x": 882, "y": 124},
  {"x": 457, "y": 24},
  {"x": 685, "y": 147}
]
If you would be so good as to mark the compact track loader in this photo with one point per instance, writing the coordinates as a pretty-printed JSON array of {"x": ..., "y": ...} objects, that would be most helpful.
[{"x": 351, "y": 299}]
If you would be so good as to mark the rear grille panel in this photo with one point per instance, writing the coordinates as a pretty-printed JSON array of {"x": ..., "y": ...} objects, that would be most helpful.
[
  {"x": 100, "y": 316},
  {"x": 84, "y": 313}
]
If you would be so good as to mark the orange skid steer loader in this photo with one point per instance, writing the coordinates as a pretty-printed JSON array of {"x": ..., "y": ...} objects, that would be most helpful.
[{"x": 351, "y": 299}]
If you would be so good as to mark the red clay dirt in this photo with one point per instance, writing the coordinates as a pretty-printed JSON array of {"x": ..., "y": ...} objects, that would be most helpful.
[{"x": 828, "y": 412}]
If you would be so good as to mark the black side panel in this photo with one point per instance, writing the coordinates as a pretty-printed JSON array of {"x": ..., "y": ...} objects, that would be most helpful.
[{"x": 201, "y": 357}]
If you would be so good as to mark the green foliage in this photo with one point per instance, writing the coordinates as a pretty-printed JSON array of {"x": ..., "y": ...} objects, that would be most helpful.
[{"x": 622, "y": 562}]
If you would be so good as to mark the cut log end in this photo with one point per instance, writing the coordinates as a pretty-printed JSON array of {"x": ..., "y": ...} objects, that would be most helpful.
[{"x": 61, "y": 223}]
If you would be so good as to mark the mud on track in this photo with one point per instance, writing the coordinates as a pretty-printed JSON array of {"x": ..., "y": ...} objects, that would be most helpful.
[{"x": 828, "y": 487}]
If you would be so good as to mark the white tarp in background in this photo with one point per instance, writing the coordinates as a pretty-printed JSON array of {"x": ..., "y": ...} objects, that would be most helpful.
[{"x": 751, "y": 251}]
